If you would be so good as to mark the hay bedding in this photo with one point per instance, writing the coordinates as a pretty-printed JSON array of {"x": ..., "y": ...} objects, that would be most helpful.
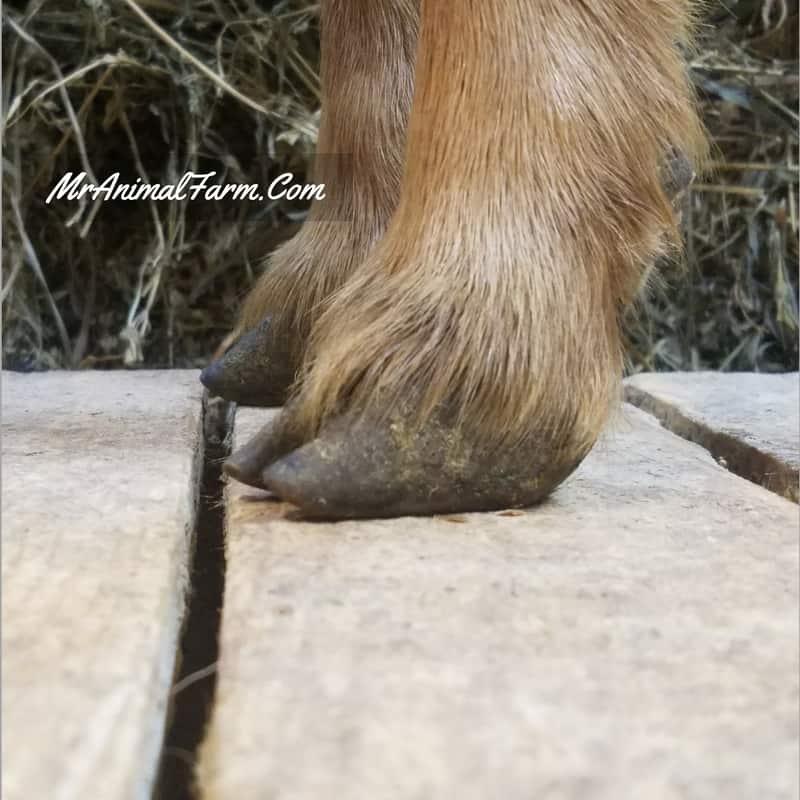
[
  {"x": 101, "y": 88},
  {"x": 154, "y": 88}
]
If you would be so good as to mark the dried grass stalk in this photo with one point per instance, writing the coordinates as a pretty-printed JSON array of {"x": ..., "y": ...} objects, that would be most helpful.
[{"x": 154, "y": 88}]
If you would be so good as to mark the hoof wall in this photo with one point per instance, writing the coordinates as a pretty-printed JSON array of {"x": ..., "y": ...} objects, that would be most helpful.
[{"x": 256, "y": 371}]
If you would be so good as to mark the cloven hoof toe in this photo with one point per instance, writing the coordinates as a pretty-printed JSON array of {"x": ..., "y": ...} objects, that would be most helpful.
[
  {"x": 360, "y": 469},
  {"x": 256, "y": 371},
  {"x": 275, "y": 440}
]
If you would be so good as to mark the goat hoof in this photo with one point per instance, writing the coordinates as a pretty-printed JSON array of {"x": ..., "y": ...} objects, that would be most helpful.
[
  {"x": 275, "y": 440},
  {"x": 256, "y": 371},
  {"x": 362, "y": 468}
]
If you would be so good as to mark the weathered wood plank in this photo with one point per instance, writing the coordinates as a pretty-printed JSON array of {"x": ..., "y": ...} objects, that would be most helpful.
[
  {"x": 747, "y": 420},
  {"x": 99, "y": 494},
  {"x": 634, "y": 637}
]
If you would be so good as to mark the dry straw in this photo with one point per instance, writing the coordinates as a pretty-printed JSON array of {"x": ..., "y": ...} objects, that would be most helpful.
[{"x": 154, "y": 88}]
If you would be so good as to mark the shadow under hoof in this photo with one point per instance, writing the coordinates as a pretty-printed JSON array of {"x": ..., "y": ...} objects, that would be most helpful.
[{"x": 256, "y": 371}]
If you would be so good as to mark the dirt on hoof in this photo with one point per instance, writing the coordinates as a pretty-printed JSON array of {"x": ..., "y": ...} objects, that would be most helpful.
[{"x": 363, "y": 468}]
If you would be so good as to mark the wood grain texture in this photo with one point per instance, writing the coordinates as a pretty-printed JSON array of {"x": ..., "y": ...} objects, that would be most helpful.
[
  {"x": 99, "y": 497},
  {"x": 635, "y": 636}
]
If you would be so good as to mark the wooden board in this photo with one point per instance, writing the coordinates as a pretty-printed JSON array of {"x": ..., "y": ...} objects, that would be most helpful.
[
  {"x": 634, "y": 637},
  {"x": 748, "y": 421},
  {"x": 98, "y": 504}
]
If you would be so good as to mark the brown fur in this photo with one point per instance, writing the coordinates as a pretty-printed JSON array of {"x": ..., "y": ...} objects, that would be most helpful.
[
  {"x": 530, "y": 205},
  {"x": 367, "y": 75}
]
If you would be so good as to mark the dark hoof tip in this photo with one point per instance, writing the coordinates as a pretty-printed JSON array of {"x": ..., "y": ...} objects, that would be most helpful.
[
  {"x": 243, "y": 471},
  {"x": 211, "y": 378},
  {"x": 251, "y": 390},
  {"x": 216, "y": 378},
  {"x": 257, "y": 369},
  {"x": 296, "y": 482},
  {"x": 280, "y": 478}
]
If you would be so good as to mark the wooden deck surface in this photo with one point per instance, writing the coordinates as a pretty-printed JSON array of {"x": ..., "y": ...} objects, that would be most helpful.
[
  {"x": 635, "y": 636},
  {"x": 98, "y": 503},
  {"x": 748, "y": 421}
]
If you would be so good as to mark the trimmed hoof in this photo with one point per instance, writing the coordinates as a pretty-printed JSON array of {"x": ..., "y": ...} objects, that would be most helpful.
[
  {"x": 271, "y": 443},
  {"x": 361, "y": 469},
  {"x": 256, "y": 371}
]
